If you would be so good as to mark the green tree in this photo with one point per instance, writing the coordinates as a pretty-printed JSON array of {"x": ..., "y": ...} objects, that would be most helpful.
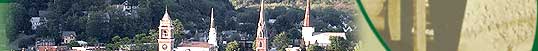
[
  {"x": 141, "y": 42},
  {"x": 232, "y": 46},
  {"x": 115, "y": 45},
  {"x": 178, "y": 31},
  {"x": 73, "y": 44},
  {"x": 314, "y": 48},
  {"x": 338, "y": 44},
  {"x": 281, "y": 41}
]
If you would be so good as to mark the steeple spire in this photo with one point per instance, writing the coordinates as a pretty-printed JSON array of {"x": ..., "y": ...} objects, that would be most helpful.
[
  {"x": 212, "y": 32},
  {"x": 307, "y": 30},
  {"x": 212, "y": 19},
  {"x": 261, "y": 40},
  {"x": 261, "y": 21},
  {"x": 166, "y": 16},
  {"x": 306, "y": 21}
]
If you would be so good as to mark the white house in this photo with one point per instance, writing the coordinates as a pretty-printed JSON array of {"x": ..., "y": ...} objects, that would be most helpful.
[
  {"x": 293, "y": 49},
  {"x": 87, "y": 48},
  {"x": 68, "y": 36},
  {"x": 36, "y": 21},
  {"x": 322, "y": 38}
]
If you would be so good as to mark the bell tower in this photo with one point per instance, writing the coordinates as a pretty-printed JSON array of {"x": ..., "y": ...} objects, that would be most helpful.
[
  {"x": 261, "y": 39},
  {"x": 165, "y": 37}
]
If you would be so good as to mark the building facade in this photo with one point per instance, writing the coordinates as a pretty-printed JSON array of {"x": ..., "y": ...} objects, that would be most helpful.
[
  {"x": 165, "y": 38},
  {"x": 310, "y": 37}
]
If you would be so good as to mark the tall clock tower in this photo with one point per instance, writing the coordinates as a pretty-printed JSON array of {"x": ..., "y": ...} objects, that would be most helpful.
[{"x": 165, "y": 38}]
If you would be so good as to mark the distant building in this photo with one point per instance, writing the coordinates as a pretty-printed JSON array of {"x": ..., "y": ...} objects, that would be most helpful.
[
  {"x": 322, "y": 38},
  {"x": 129, "y": 9},
  {"x": 87, "y": 48},
  {"x": 244, "y": 40},
  {"x": 316, "y": 38},
  {"x": 46, "y": 45},
  {"x": 68, "y": 36},
  {"x": 39, "y": 19},
  {"x": 36, "y": 21},
  {"x": 195, "y": 46},
  {"x": 47, "y": 48},
  {"x": 84, "y": 46},
  {"x": 294, "y": 49}
]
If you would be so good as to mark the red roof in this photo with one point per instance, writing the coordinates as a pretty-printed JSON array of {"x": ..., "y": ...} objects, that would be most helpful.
[{"x": 195, "y": 44}]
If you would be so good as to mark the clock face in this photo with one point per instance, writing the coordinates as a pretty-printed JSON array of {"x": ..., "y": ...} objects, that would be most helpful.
[{"x": 164, "y": 46}]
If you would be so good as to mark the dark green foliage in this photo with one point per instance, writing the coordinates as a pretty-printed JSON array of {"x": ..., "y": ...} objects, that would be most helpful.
[
  {"x": 141, "y": 42},
  {"x": 281, "y": 41},
  {"x": 315, "y": 48},
  {"x": 339, "y": 44}
]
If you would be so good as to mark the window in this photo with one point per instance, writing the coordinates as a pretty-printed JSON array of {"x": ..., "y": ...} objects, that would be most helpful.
[
  {"x": 164, "y": 46},
  {"x": 259, "y": 44},
  {"x": 163, "y": 33}
]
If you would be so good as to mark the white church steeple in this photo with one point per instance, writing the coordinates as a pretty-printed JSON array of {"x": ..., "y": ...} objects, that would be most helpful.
[
  {"x": 307, "y": 30},
  {"x": 212, "y": 31}
]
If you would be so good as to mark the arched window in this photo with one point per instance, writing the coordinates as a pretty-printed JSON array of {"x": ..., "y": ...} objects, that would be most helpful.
[{"x": 259, "y": 44}]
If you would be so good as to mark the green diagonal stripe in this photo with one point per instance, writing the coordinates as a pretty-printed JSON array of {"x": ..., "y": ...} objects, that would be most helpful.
[{"x": 372, "y": 27}]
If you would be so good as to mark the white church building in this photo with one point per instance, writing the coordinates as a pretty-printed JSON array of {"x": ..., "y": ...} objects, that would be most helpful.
[{"x": 310, "y": 37}]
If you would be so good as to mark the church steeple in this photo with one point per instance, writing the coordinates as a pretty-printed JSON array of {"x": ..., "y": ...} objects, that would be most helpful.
[
  {"x": 165, "y": 38},
  {"x": 306, "y": 20},
  {"x": 307, "y": 30},
  {"x": 212, "y": 19},
  {"x": 166, "y": 16},
  {"x": 261, "y": 40},
  {"x": 212, "y": 31}
]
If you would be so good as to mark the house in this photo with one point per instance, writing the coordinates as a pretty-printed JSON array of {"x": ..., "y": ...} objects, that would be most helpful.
[
  {"x": 293, "y": 49},
  {"x": 87, "y": 48},
  {"x": 36, "y": 21},
  {"x": 68, "y": 36},
  {"x": 46, "y": 45},
  {"x": 39, "y": 19},
  {"x": 84, "y": 46},
  {"x": 322, "y": 38}
]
